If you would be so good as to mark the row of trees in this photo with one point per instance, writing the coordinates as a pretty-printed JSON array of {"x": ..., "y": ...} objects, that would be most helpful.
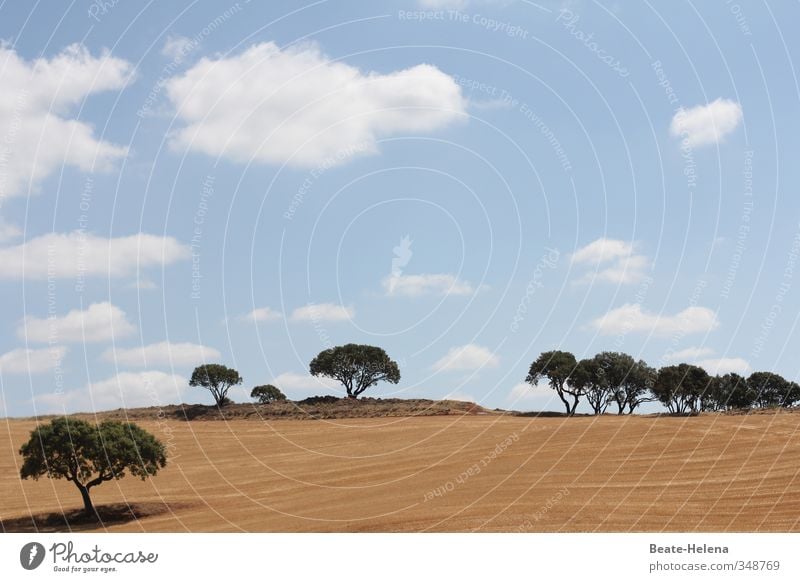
[{"x": 617, "y": 380}]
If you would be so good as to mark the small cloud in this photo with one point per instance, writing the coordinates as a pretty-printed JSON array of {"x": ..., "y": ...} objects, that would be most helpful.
[
  {"x": 314, "y": 312},
  {"x": 99, "y": 322},
  {"x": 177, "y": 47},
  {"x": 261, "y": 314},
  {"x": 687, "y": 354},
  {"x": 468, "y": 357},
  {"x": 631, "y": 318},
  {"x": 525, "y": 391},
  {"x": 707, "y": 124},
  {"x": 28, "y": 361},
  {"x": 626, "y": 266},
  {"x": 432, "y": 284},
  {"x": 721, "y": 366}
]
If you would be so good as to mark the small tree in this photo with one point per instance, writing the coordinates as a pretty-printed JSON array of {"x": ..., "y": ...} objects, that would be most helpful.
[
  {"x": 88, "y": 454},
  {"x": 216, "y": 378},
  {"x": 356, "y": 366},
  {"x": 267, "y": 393},
  {"x": 557, "y": 367}
]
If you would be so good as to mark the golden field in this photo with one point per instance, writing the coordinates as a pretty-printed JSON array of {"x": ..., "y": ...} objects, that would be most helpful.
[{"x": 468, "y": 472}]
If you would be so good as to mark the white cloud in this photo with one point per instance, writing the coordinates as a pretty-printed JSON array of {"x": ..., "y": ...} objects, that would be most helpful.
[
  {"x": 626, "y": 266},
  {"x": 125, "y": 390},
  {"x": 602, "y": 250},
  {"x": 261, "y": 314},
  {"x": 722, "y": 366},
  {"x": 8, "y": 231},
  {"x": 631, "y": 318},
  {"x": 442, "y": 4},
  {"x": 177, "y": 47},
  {"x": 459, "y": 396},
  {"x": 431, "y": 284},
  {"x": 295, "y": 381},
  {"x": 468, "y": 357},
  {"x": 28, "y": 361},
  {"x": 525, "y": 391},
  {"x": 35, "y": 103},
  {"x": 100, "y": 322},
  {"x": 162, "y": 353},
  {"x": 301, "y": 107},
  {"x": 687, "y": 354},
  {"x": 76, "y": 254},
  {"x": 706, "y": 124},
  {"x": 315, "y": 312}
]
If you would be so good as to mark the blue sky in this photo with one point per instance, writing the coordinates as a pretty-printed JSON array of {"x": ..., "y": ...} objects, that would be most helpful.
[{"x": 464, "y": 183}]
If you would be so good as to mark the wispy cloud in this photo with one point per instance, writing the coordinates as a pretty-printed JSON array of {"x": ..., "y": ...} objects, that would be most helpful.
[
  {"x": 631, "y": 318},
  {"x": 468, "y": 357},
  {"x": 323, "y": 312}
]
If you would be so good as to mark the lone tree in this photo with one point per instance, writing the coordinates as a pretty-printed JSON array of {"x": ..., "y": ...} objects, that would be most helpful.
[
  {"x": 558, "y": 368},
  {"x": 89, "y": 454},
  {"x": 267, "y": 393},
  {"x": 216, "y": 378},
  {"x": 356, "y": 366}
]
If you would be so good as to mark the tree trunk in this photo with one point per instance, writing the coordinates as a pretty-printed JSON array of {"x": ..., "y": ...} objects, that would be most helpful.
[{"x": 88, "y": 508}]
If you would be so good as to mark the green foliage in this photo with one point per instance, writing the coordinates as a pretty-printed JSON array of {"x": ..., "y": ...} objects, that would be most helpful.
[
  {"x": 88, "y": 454},
  {"x": 591, "y": 380},
  {"x": 681, "y": 388},
  {"x": 557, "y": 367},
  {"x": 216, "y": 378},
  {"x": 356, "y": 366},
  {"x": 770, "y": 389},
  {"x": 267, "y": 393}
]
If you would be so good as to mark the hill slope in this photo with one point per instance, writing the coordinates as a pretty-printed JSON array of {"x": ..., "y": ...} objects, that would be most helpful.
[{"x": 451, "y": 473}]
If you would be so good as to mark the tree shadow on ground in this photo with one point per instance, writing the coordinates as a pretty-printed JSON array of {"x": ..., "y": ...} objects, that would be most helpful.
[{"x": 75, "y": 520}]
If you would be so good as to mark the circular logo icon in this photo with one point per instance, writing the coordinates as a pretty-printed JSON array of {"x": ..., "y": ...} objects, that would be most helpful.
[{"x": 31, "y": 555}]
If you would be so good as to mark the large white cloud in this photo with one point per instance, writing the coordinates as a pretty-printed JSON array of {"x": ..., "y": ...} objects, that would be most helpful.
[
  {"x": 688, "y": 354},
  {"x": 318, "y": 312},
  {"x": 162, "y": 354},
  {"x": 299, "y": 106},
  {"x": 36, "y": 134},
  {"x": 29, "y": 361},
  {"x": 468, "y": 357},
  {"x": 99, "y": 322},
  {"x": 631, "y": 318},
  {"x": 707, "y": 124},
  {"x": 84, "y": 255},
  {"x": 426, "y": 284},
  {"x": 125, "y": 390}
]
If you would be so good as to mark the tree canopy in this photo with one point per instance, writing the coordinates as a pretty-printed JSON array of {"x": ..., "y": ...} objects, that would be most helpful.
[
  {"x": 356, "y": 366},
  {"x": 216, "y": 378},
  {"x": 557, "y": 367},
  {"x": 267, "y": 393},
  {"x": 89, "y": 454}
]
